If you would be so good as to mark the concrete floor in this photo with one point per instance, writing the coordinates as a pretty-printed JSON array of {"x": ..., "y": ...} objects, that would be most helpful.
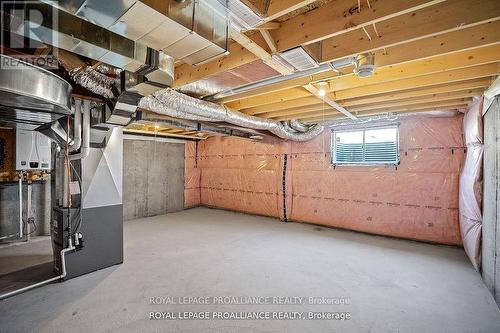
[
  {"x": 394, "y": 285},
  {"x": 23, "y": 264}
]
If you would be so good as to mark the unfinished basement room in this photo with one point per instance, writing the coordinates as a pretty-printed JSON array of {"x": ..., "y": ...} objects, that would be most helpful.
[{"x": 250, "y": 166}]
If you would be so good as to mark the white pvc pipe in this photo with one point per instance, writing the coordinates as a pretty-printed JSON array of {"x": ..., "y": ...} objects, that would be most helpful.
[
  {"x": 84, "y": 149},
  {"x": 28, "y": 212},
  {"x": 77, "y": 127},
  {"x": 20, "y": 205},
  {"x": 42, "y": 283}
]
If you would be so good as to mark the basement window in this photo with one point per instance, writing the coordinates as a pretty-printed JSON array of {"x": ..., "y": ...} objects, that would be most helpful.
[{"x": 366, "y": 146}]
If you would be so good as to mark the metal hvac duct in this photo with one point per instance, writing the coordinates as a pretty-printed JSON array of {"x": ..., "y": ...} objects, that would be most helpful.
[
  {"x": 65, "y": 31},
  {"x": 30, "y": 95},
  {"x": 176, "y": 104},
  {"x": 189, "y": 30}
]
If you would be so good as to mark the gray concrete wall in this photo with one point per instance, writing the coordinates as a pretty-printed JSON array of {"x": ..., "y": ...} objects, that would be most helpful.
[
  {"x": 9, "y": 207},
  {"x": 153, "y": 177},
  {"x": 491, "y": 207}
]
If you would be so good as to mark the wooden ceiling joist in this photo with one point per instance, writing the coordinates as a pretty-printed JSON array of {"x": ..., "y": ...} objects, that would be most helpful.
[
  {"x": 319, "y": 108},
  {"x": 469, "y": 85},
  {"x": 464, "y": 59},
  {"x": 444, "y": 17},
  {"x": 278, "y": 8},
  {"x": 369, "y": 113},
  {"x": 238, "y": 55},
  {"x": 450, "y": 76},
  {"x": 411, "y": 54},
  {"x": 342, "y": 16},
  {"x": 297, "y": 104},
  {"x": 447, "y": 105}
]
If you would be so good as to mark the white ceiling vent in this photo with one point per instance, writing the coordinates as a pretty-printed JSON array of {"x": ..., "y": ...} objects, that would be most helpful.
[
  {"x": 299, "y": 59},
  {"x": 241, "y": 17}
]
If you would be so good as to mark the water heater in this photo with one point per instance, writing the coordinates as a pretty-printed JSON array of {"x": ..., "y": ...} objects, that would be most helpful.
[{"x": 32, "y": 151}]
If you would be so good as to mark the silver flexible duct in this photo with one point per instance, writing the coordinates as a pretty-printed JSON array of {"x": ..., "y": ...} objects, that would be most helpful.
[
  {"x": 94, "y": 81},
  {"x": 167, "y": 100},
  {"x": 298, "y": 125},
  {"x": 152, "y": 103}
]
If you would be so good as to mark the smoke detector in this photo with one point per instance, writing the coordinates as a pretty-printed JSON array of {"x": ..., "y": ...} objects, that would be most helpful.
[{"x": 364, "y": 65}]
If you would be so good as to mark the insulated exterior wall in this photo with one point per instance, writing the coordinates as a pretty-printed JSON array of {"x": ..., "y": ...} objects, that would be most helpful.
[
  {"x": 191, "y": 176},
  {"x": 417, "y": 199},
  {"x": 470, "y": 193}
]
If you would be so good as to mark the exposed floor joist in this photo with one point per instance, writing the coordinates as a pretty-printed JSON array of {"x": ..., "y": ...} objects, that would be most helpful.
[
  {"x": 431, "y": 107},
  {"x": 419, "y": 67},
  {"x": 342, "y": 16},
  {"x": 282, "y": 108},
  {"x": 320, "y": 108},
  {"x": 469, "y": 38},
  {"x": 338, "y": 24},
  {"x": 444, "y": 17}
]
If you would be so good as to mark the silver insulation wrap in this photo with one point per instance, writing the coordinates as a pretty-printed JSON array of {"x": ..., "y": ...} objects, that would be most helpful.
[
  {"x": 94, "y": 81},
  {"x": 298, "y": 125},
  {"x": 154, "y": 104},
  {"x": 170, "y": 102}
]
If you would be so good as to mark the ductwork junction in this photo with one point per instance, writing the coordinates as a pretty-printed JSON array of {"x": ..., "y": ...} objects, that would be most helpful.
[{"x": 175, "y": 104}]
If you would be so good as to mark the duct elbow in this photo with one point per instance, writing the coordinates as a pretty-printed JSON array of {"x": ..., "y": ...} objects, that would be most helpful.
[
  {"x": 85, "y": 145},
  {"x": 77, "y": 127}
]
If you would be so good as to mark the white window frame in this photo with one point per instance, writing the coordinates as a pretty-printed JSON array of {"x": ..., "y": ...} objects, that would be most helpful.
[{"x": 364, "y": 129}]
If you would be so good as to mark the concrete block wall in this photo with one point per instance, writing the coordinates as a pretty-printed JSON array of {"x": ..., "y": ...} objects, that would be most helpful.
[
  {"x": 491, "y": 207},
  {"x": 153, "y": 176}
]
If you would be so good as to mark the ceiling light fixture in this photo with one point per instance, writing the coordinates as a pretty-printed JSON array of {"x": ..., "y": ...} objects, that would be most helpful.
[{"x": 322, "y": 88}]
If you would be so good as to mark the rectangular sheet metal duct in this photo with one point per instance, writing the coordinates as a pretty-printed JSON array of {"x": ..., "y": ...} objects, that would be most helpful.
[{"x": 191, "y": 31}]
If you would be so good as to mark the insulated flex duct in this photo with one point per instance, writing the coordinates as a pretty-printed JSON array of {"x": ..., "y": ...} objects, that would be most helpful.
[{"x": 170, "y": 102}]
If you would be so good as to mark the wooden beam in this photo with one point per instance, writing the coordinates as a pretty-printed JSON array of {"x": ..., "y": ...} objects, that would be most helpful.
[
  {"x": 444, "y": 17},
  {"x": 280, "y": 105},
  {"x": 269, "y": 40},
  {"x": 433, "y": 105},
  {"x": 338, "y": 17},
  {"x": 277, "y": 109},
  {"x": 275, "y": 97},
  {"x": 326, "y": 99},
  {"x": 461, "y": 59},
  {"x": 365, "y": 114},
  {"x": 239, "y": 56},
  {"x": 278, "y": 8},
  {"x": 185, "y": 73},
  {"x": 464, "y": 39},
  {"x": 469, "y": 38},
  {"x": 259, "y": 51},
  {"x": 488, "y": 54},
  {"x": 474, "y": 57},
  {"x": 451, "y": 76},
  {"x": 478, "y": 84},
  {"x": 319, "y": 108},
  {"x": 268, "y": 26},
  {"x": 258, "y": 6}
]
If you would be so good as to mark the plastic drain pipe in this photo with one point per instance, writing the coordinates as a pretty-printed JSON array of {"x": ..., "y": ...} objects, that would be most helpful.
[
  {"x": 20, "y": 205},
  {"x": 42, "y": 283}
]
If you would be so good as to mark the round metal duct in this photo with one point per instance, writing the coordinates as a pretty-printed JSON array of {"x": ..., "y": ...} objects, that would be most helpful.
[{"x": 30, "y": 94}]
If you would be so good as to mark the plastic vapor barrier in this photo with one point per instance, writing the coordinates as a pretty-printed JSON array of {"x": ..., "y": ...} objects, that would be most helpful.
[
  {"x": 191, "y": 176},
  {"x": 471, "y": 184},
  {"x": 296, "y": 181}
]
